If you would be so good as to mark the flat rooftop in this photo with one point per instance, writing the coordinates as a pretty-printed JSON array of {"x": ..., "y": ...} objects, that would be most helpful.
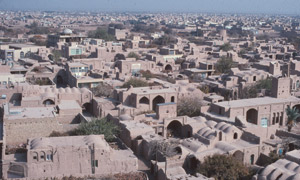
[
  {"x": 68, "y": 104},
  {"x": 29, "y": 112},
  {"x": 149, "y": 90},
  {"x": 256, "y": 102},
  {"x": 196, "y": 70},
  {"x": 22, "y": 45}
]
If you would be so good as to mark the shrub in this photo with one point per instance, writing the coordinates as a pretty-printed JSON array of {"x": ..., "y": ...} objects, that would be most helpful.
[
  {"x": 98, "y": 126},
  {"x": 223, "y": 167},
  {"x": 101, "y": 33},
  {"x": 147, "y": 74},
  {"x": 226, "y": 47},
  {"x": 133, "y": 55},
  {"x": 224, "y": 65},
  {"x": 135, "y": 82},
  {"x": 103, "y": 89}
]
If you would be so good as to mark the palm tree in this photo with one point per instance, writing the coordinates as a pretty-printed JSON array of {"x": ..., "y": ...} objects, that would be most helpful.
[{"x": 293, "y": 115}]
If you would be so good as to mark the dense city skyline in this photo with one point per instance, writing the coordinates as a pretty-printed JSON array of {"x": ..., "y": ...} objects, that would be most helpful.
[{"x": 211, "y": 6}]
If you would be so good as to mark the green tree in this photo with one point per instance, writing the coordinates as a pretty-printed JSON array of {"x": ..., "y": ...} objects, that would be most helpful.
[
  {"x": 56, "y": 55},
  {"x": 293, "y": 115},
  {"x": 165, "y": 40},
  {"x": 264, "y": 84},
  {"x": 101, "y": 33},
  {"x": 36, "y": 29},
  {"x": 223, "y": 167},
  {"x": 135, "y": 82},
  {"x": 98, "y": 126},
  {"x": 133, "y": 55},
  {"x": 251, "y": 91},
  {"x": 147, "y": 74},
  {"x": 226, "y": 47},
  {"x": 224, "y": 64}
]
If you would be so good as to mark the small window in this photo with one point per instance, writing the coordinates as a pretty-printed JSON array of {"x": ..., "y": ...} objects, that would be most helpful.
[
  {"x": 94, "y": 163},
  {"x": 254, "y": 78},
  {"x": 42, "y": 156},
  {"x": 172, "y": 99},
  {"x": 49, "y": 157},
  {"x": 235, "y": 136}
]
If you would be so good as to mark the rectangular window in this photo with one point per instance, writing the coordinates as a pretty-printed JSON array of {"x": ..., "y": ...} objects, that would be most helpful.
[
  {"x": 72, "y": 70},
  {"x": 49, "y": 157},
  {"x": 264, "y": 122},
  {"x": 94, "y": 163}
]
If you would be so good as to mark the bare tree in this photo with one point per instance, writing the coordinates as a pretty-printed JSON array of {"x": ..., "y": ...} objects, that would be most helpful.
[
  {"x": 166, "y": 148},
  {"x": 189, "y": 106},
  {"x": 103, "y": 90}
]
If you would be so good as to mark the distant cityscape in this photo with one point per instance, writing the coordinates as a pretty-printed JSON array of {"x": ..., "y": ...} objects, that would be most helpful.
[{"x": 138, "y": 96}]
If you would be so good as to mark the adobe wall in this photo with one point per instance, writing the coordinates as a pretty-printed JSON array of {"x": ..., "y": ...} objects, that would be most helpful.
[{"x": 18, "y": 131}]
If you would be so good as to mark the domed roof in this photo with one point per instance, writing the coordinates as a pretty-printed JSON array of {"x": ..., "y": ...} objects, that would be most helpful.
[
  {"x": 291, "y": 166},
  {"x": 219, "y": 125},
  {"x": 125, "y": 117},
  {"x": 295, "y": 177},
  {"x": 61, "y": 90},
  {"x": 55, "y": 90},
  {"x": 297, "y": 169},
  {"x": 84, "y": 90},
  {"x": 200, "y": 119},
  {"x": 67, "y": 31},
  {"x": 75, "y": 90},
  {"x": 39, "y": 143},
  {"x": 68, "y": 90},
  {"x": 211, "y": 123}
]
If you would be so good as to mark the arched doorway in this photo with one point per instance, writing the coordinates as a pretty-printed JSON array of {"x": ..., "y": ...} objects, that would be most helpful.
[
  {"x": 173, "y": 99},
  {"x": 144, "y": 100},
  {"x": 235, "y": 136},
  {"x": 252, "y": 116},
  {"x": 193, "y": 163},
  {"x": 168, "y": 67},
  {"x": 174, "y": 129},
  {"x": 48, "y": 102},
  {"x": 157, "y": 100},
  {"x": 87, "y": 108},
  {"x": 220, "y": 136},
  {"x": 238, "y": 155}
]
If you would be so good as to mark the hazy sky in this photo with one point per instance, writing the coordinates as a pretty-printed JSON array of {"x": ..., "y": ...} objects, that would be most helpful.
[{"x": 218, "y": 6}]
